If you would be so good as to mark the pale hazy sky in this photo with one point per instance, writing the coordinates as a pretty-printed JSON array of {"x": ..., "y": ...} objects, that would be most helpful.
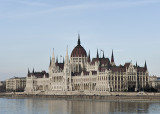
[{"x": 30, "y": 29}]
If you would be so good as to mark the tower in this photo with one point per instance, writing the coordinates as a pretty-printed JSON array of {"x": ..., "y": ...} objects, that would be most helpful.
[
  {"x": 103, "y": 54},
  {"x": 136, "y": 64},
  {"x": 78, "y": 57},
  {"x": 52, "y": 64},
  {"x": 88, "y": 59},
  {"x": 112, "y": 59},
  {"x": 145, "y": 66},
  {"x": 97, "y": 54},
  {"x": 28, "y": 72},
  {"x": 53, "y": 59},
  {"x": 79, "y": 42},
  {"x": 67, "y": 73}
]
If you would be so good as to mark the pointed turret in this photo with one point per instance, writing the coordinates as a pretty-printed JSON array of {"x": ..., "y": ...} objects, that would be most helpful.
[
  {"x": 53, "y": 57},
  {"x": 97, "y": 54},
  {"x": 66, "y": 57},
  {"x": 103, "y": 54},
  {"x": 79, "y": 42},
  {"x": 28, "y": 72},
  {"x": 57, "y": 59},
  {"x": 63, "y": 60},
  {"x": 89, "y": 60},
  {"x": 50, "y": 62},
  {"x": 67, "y": 73},
  {"x": 33, "y": 71},
  {"x": 145, "y": 65},
  {"x": 136, "y": 64},
  {"x": 112, "y": 59}
]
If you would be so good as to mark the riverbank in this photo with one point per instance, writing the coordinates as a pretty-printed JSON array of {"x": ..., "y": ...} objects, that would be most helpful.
[{"x": 116, "y": 97}]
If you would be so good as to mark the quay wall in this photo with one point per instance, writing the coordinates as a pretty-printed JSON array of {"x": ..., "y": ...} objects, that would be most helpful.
[{"x": 114, "y": 96}]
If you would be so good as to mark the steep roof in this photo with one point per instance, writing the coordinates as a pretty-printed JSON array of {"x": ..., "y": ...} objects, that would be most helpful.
[
  {"x": 127, "y": 65},
  {"x": 141, "y": 69},
  {"x": 60, "y": 65},
  {"x": 118, "y": 69},
  {"x": 39, "y": 74},
  {"x": 101, "y": 60}
]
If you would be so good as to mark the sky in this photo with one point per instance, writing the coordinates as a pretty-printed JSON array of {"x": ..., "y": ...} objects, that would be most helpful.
[{"x": 30, "y": 29}]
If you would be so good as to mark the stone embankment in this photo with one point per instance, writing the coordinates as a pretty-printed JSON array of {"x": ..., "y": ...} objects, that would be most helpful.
[{"x": 114, "y": 96}]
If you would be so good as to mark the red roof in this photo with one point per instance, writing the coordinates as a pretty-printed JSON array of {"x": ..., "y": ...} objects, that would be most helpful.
[
  {"x": 60, "y": 65},
  {"x": 141, "y": 69},
  {"x": 102, "y": 60},
  {"x": 118, "y": 69},
  {"x": 39, "y": 74},
  {"x": 127, "y": 64},
  {"x": 79, "y": 51}
]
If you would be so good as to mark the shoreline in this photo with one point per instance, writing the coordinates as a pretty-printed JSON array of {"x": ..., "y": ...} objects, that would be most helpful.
[{"x": 130, "y": 98}]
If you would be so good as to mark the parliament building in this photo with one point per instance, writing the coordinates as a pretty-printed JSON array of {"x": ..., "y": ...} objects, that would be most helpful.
[{"x": 79, "y": 74}]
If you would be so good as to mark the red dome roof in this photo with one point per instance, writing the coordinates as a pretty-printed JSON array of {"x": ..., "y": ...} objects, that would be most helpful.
[{"x": 79, "y": 51}]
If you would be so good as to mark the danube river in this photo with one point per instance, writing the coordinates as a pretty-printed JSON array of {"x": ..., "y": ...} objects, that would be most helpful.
[{"x": 61, "y": 106}]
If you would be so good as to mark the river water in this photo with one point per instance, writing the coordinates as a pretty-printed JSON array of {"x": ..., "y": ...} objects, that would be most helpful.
[{"x": 62, "y": 106}]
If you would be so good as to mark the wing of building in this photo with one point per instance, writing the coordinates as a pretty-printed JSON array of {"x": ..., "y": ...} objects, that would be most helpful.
[{"x": 80, "y": 73}]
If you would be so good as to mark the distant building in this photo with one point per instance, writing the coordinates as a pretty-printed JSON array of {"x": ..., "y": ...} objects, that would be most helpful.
[
  {"x": 80, "y": 73},
  {"x": 154, "y": 82},
  {"x": 16, "y": 84},
  {"x": 1, "y": 83},
  {"x": 2, "y": 86}
]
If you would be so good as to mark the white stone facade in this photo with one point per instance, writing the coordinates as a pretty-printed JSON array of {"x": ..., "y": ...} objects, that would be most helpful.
[{"x": 81, "y": 74}]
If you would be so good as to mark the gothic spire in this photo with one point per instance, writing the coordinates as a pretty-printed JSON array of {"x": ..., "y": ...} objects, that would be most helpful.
[
  {"x": 67, "y": 51},
  {"x": 89, "y": 56},
  {"x": 112, "y": 57},
  {"x": 103, "y": 54},
  {"x": 53, "y": 54},
  {"x": 28, "y": 72},
  {"x": 50, "y": 62},
  {"x": 33, "y": 71},
  {"x": 97, "y": 54},
  {"x": 79, "y": 42},
  {"x": 66, "y": 57},
  {"x": 63, "y": 60},
  {"x": 136, "y": 64},
  {"x": 145, "y": 65},
  {"x": 57, "y": 59},
  {"x": 52, "y": 59}
]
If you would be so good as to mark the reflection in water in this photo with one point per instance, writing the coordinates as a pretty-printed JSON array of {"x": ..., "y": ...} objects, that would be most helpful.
[{"x": 53, "y": 106}]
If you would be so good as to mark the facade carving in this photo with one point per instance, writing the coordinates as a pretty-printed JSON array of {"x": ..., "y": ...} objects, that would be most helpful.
[{"x": 81, "y": 74}]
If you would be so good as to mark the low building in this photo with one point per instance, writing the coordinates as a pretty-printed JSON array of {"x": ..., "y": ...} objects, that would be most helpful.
[
  {"x": 154, "y": 82},
  {"x": 2, "y": 86},
  {"x": 0, "y": 83},
  {"x": 16, "y": 84}
]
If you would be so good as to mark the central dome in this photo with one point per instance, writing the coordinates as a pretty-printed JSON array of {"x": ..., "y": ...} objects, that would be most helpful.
[{"x": 79, "y": 51}]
